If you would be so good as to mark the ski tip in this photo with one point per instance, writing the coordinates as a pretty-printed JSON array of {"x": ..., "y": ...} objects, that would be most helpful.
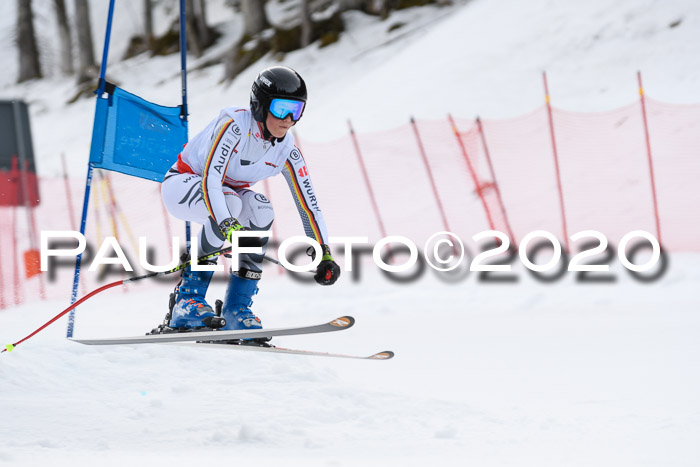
[
  {"x": 343, "y": 322},
  {"x": 386, "y": 355}
]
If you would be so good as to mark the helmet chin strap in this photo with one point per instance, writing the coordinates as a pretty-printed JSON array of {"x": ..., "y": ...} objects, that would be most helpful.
[{"x": 266, "y": 133}]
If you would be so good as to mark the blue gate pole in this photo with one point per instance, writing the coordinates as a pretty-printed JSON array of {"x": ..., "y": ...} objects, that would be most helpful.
[
  {"x": 78, "y": 259},
  {"x": 105, "y": 50},
  {"x": 183, "y": 59},
  {"x": 183, "y": 77},
  {"x": 88, "y": 178}
]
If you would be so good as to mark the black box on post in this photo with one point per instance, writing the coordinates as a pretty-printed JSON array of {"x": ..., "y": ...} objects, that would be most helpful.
[{"x": 18, "y": 181}]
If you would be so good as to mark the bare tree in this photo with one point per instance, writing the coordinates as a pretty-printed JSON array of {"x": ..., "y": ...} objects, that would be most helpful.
[
  {"x": 199, "y": 35},
  {"x": 383, "y": 7},
  {"x": 29, "y": 67},
  {"x": 254, "y": 17},
  {"x": 64, "y": 37},
  {"x": 202, "y": 25},
  {"x": 344, "y": 5},
  {"x": 86, "y": 53},
  {"x": 254, "y": 21},
  {"x": 306, "y": 23},
  {"x": 194, "y": 42},
  {"x": 148, "y": 23}
]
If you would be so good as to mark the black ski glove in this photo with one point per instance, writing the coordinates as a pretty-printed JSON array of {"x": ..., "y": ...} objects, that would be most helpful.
[
  {"x": 230, "y": 225},
  {"x": 327, "y": 271}
]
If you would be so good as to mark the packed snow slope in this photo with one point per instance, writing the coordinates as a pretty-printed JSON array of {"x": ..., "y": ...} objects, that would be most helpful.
[
  {"x": 525, "y": 374},
  {"x": 522, "y": 373}
]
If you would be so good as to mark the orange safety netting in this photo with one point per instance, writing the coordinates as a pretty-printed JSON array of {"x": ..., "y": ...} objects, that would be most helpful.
[{"x": 414, "y": 181}]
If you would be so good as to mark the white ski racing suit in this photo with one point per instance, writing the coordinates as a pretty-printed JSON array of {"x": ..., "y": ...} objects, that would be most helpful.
[{"x": 210, "y": 181}]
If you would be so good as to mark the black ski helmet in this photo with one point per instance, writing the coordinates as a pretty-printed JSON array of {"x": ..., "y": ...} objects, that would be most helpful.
[{"x": 275, "y": 82}]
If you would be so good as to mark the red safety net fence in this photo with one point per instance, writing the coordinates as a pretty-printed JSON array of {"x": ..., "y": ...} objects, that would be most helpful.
[{"x": 456, "y": 175}]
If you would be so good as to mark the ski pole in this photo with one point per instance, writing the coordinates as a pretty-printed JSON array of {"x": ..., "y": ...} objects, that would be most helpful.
[
  {"x": 278, "y": 263},
  {"x": 10, "y": 347},
  {"x": 273, "y": 261}
]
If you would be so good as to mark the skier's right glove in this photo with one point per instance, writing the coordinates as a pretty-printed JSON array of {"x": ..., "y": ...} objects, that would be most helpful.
[
  {"x": 327, "y": 271},
  {"x": 230, "y": 225}
]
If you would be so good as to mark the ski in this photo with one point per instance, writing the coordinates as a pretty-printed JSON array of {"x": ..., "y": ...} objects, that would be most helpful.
[
  {"x": 338, "y": 324},
  {"x": 386, "y": 355}
]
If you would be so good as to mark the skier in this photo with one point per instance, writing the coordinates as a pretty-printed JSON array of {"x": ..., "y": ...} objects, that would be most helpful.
[{"x": 209, "y": 185}]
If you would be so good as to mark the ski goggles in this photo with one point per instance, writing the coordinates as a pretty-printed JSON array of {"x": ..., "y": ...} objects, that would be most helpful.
[{"x": 280, "y": 108}]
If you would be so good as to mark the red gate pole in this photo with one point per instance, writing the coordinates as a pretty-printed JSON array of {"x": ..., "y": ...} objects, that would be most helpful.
[
  {"x": 556, "y": 161},
  {"x": 475, "y": 179},
  {"x": 649, "y": 158},
  {"x": 69, "y": 202},
  {"x": 69, "y": 199},
  {"x": 375, "y": 207},
  {"x": 114, "y": 211},
  {"x": 495, "y": 182},
  {"x": 111, "y": 202}
]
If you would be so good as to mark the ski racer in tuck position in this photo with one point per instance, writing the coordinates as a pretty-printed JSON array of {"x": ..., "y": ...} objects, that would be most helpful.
[{"x": 209, "y": 185}]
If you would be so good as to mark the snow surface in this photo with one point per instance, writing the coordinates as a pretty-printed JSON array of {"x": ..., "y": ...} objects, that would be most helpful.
[
  {"x": 520, "y": 374},
  {"x": 485, "y": 374}
]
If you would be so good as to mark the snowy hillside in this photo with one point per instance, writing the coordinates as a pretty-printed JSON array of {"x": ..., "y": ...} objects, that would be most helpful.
[
  {"x": 522, "y": 373},
  {"x": 479, "y": 58}
]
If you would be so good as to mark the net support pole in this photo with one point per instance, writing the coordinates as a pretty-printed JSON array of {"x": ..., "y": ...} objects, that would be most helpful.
[
  {"x": 649, "y": 158},
  {"x": 433, "y": 185},
  {"x": 66, "y": 185},
  {"x": 368, "y": 184},
  {"x": 556, "y": 162},
  {"x": 88, "y": 177},
  {"x": 472, "y": 172},
  {"x": 496, "y": 186},
  {"x": 69, "y": 199}
]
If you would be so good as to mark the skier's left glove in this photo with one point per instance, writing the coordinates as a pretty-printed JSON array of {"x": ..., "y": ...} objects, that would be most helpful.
[
  {"x": 230, "y": 225},
  {"x": 327, "y": 271}
]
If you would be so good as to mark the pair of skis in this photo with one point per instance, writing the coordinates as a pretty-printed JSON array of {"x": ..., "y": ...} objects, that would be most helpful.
[
  {"x": 243, "y": 340},
  {"x": 219, "y": 339}
]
